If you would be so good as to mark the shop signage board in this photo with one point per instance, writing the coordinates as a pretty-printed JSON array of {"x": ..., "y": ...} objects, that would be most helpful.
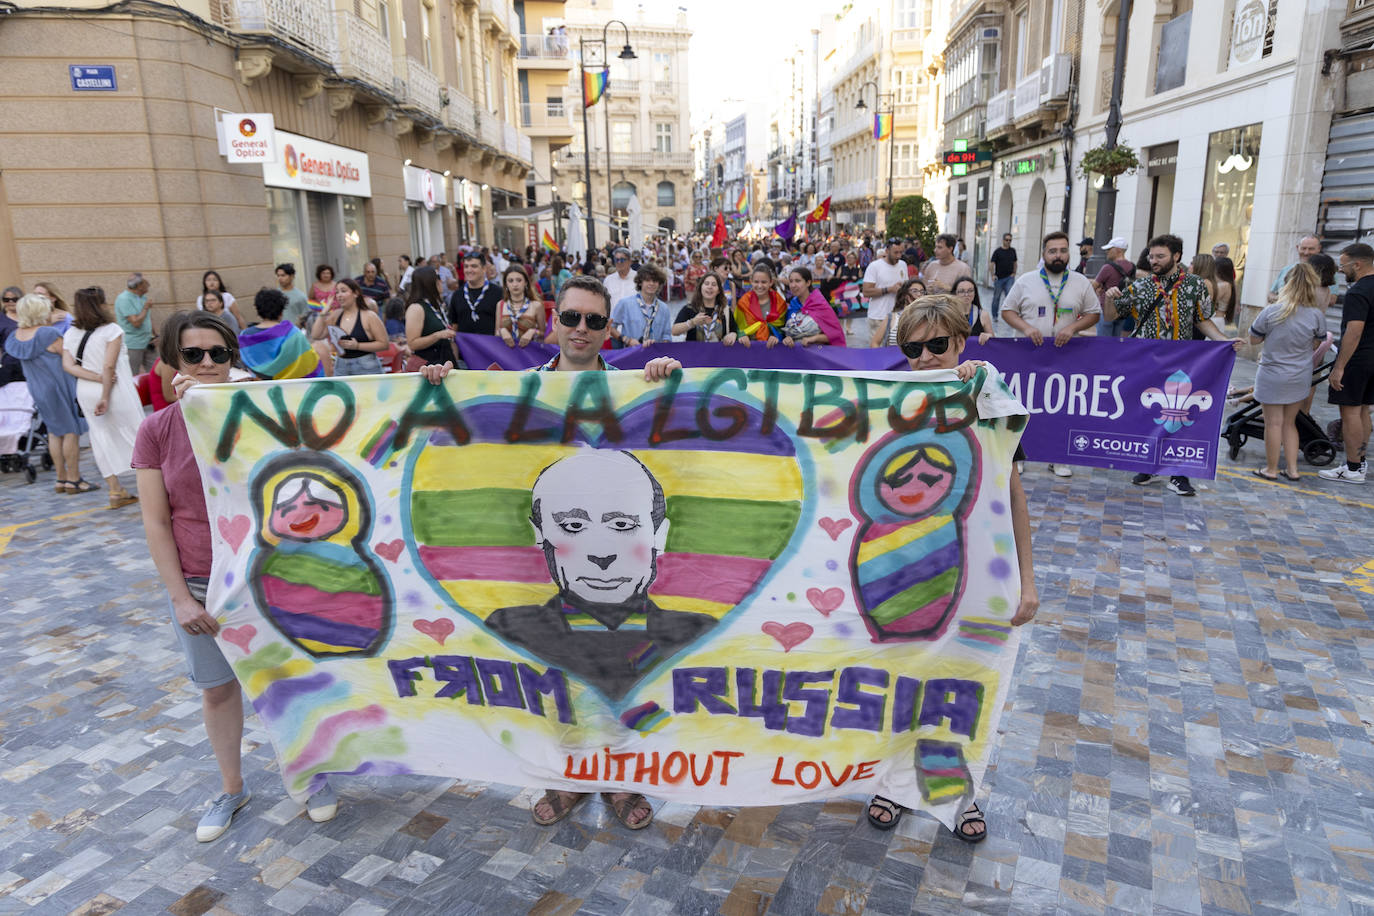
[
  {"x": 313, "y": 165},
  {"x": 1247, "y": 31},
  {"x": 425, "y": 187},
  {"x": 93, "y": 78},
  {"x": 249, "y": 137}
]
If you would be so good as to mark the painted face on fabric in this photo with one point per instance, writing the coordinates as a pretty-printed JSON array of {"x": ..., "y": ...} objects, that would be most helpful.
[
  {"x": 916, "y": 480},
  {"x": 306, "y": 510},
  {"x": 599, "y": 540}
]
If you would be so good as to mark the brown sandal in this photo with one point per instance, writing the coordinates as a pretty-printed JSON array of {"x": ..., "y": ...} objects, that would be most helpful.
[
  {"x": 561, "y": 809},
  {"x": 627, "y": 806}
]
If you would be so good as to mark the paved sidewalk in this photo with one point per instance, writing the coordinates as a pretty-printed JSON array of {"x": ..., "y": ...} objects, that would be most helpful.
[{"x": 1190, "y": 733}]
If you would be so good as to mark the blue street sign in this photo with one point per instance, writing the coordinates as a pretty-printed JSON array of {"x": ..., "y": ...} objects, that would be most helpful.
[{"x": 98, "y": 78}]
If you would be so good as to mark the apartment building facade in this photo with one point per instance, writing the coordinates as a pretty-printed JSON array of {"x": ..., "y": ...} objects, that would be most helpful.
[{"x": 395, "y": 132}]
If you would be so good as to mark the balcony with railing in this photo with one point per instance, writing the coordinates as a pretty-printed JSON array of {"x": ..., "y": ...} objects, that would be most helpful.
[
  {"x": 647, "y": 161},
  {"x": 489, "y": 129},
  {"x": 417, "y": 86},
  {"x": 549, "y": 52},
  {"x": 621, "y": 88},
  {"x": 495, "y": 14},
  {"x": 1042, "y": 87},
  {"x": 460, "y": 114},
  {"x": 307, "y": 24},
  {"x": 510, "y": 140},
  {"x": 526, "y": 150},
  {"x": 999, "y": 112},
  {"x": 363, "y": 53},
  {"x": 551, "y": 119}
]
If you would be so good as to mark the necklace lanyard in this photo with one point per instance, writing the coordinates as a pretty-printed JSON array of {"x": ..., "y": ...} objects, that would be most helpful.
[
  {"x": 514, "y": 315},
  {"x": 467, "y": 297},
  {"x": 1054, "y": 293},
  {"x": 435, "y": 311}
]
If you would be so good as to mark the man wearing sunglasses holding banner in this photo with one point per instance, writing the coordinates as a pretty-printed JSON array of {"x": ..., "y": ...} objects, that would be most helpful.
[{"x": 582, "y": 326}]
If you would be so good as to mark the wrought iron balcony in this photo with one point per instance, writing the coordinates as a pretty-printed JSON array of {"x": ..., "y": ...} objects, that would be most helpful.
[
  {"x": 363, "y": 53},
  {"x": 460, "y": 114},
  {"x": 417, "y": 86},
  {"x": 308, "y": 24}
]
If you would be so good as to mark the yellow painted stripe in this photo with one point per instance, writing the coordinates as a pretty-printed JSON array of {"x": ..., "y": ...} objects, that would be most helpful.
[
  {"x": 681, "y": 473},
  {"x": 263, "y": 679},
  {"x": 482, "y": 597},
  {"x": 901, "y": 537}
]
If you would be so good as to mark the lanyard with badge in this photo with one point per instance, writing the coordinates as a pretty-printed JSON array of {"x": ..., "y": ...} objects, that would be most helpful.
[{"x": 1054, "y": 293}]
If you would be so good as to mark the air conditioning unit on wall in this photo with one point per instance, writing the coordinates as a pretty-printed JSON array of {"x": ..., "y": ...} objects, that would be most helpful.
[{"x": 1055, "y": 76}]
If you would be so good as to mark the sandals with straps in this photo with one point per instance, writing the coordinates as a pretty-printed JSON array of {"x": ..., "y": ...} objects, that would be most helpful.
[
  {"x": 81, "y": 485},
  {"x": 894, "y": 812},
  {"x": 626, "y": 806},
  {"x": 556, "y": 803},
  {"x": 973, "y": 815}
]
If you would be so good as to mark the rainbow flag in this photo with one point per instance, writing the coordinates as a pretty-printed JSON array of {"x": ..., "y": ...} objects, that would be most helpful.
[
  {"x": 594, "y": 85},
  {"x": 493, "y": 561},
  {"x": 278, "y": 352},
  {"x": 742, "y": 202},
  {"x": 882, "y": 126},
  {"x": 848, "y": 297},
  {"x": 548, "y": 242}
]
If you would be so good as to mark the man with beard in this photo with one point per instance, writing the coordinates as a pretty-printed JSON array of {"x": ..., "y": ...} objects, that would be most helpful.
[
  {"x": 1085, "y": 252},
  {"x": 1352, "y": 377},
  {"x": 882, "y": 279},
  {"x": 1052, "y": 302},
  {"x": 1169, "y": 304}
]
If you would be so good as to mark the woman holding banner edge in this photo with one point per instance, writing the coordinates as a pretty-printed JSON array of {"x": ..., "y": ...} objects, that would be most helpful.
[{"x": 933, "y": 331}]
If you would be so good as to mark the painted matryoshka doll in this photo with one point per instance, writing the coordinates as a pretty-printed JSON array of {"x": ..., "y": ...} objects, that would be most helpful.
[
  {"x": 912, "y": 494},
  {"x": 312, "y": 573}
]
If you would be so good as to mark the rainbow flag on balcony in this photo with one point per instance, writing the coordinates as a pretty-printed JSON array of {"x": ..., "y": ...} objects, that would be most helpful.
[
  {"x": 742, "y": 202},
  {"x": 882, "y": 125},
  {"x": 594, "y": 85},
  {"x": 548, "y": 242}
]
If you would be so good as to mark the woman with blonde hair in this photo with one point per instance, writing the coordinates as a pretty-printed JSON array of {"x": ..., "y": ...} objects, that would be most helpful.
[
  {"x": 1289, "y": 330},
  {"x": 93, "y": 350},
  {"x": 61, "y": 311},
  {"x": 38, "y": 347}
]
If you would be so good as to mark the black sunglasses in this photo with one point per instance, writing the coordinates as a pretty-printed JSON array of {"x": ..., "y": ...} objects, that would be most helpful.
[
  {"x": 10, "y": 299},
  {"x": 571, "y": 319},
  {"x": 936, "y": 345},
  {"x": 192, "y": 356}
]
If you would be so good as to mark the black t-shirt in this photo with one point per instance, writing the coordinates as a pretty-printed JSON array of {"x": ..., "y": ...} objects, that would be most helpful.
[
  {"x": 10, "y": 368},
  {"x": 1004, "y": 262},
  {"x": 473, "y": 310},
  {"x": 1359, "y": 306}
]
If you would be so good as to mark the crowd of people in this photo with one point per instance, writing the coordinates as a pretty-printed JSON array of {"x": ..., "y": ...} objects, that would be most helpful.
[{"x": 80, "y": 362}]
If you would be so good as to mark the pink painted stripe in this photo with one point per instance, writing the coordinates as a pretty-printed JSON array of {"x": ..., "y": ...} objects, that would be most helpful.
[
  {"x": 978, "y": 637},
  {"x": 353, "y": 608},
  {"x": 882, "y": 529},
  {"x": 922, "y": 617},
  {"x": 946, "y": 771},
  {"x": 499, "y": 564},
  {"x": 709, "y": 577},
  {"x": 333, "y": 730}
]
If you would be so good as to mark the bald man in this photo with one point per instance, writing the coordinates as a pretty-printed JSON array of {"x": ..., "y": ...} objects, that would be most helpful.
[
  {"x": 1308, "y": 245},
  {"x": 602, "y": 544}
]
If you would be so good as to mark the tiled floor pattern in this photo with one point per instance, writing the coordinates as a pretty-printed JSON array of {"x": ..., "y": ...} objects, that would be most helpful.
[{"x": 1190, "y": 734}]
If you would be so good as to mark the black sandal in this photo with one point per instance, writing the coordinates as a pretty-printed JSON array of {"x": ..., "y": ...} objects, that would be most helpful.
[
  {"x": 81, "y": 485},
  {"x": 974, "y": 815},
  {"x": 894, "y": 812},
  {"x": 1287, "y": 476}
]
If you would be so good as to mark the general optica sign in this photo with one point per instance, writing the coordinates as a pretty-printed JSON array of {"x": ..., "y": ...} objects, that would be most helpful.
[{"x": 313, "y": 165}]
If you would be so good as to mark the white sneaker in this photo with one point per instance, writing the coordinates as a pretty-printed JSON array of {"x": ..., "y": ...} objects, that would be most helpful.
[
  {"x": 323, "y": 805},
  {"x": 1061, "y": 470},
  {"x": 1343, "y": 473}
]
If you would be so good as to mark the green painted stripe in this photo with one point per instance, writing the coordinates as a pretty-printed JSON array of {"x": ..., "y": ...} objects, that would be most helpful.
[
  {"x": 939, "y": 784},
  {"x": 732, "y": 527},
  {"x": 916, "y": 597},
  {"x": 488, "y": 517},
  {"x": 321, "y": 574}
]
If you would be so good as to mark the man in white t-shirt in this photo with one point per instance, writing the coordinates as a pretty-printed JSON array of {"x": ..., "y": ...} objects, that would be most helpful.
[
  {"x": 882, "y": 279},
  {"x": 1052, "y": 300},
  {"x": 621, "y": 284}
]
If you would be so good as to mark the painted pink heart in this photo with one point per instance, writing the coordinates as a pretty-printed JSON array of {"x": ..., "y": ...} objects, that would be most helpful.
[
  {"x": 234, "y": 530},
  {"x": 790, "y": 635},
  {"x": 834, "y": 526},
  {"x": 437, "y": 630},
  {"x": 390, "y": 549},
  {"x": 825, "y": 601},
  {"x": 240, "y": 636}
]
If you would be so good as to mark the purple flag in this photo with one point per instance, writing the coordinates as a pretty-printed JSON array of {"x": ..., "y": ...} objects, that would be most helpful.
[
  {"x": 1135, "y": 405},
  {"x": 787, "y": 228}
]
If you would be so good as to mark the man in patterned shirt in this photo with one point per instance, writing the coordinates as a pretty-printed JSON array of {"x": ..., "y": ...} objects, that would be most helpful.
[{"x": 1168, "y": 304}]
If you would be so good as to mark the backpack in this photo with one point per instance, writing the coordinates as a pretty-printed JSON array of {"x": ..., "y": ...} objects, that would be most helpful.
[{"x": 1126, "y": 275}]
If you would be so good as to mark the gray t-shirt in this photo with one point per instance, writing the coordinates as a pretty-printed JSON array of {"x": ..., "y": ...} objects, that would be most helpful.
[
  {"x": 1284, "y": 375},
  {"x": 297, "y": 306}
]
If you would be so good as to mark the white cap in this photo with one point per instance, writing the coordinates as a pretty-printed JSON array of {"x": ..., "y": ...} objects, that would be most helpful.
[{"x": 1118, "y": 242}]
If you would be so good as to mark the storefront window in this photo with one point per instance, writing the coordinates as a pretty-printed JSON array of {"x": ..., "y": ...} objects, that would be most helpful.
[
  {"x": 1228, "y": 193},
  {"x": 284, "y": 225},
  {"x": 355, "y": 235}
]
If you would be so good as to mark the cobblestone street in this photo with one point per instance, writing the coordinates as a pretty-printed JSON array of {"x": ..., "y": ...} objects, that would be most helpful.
[{"x": 1189, "y": 733}]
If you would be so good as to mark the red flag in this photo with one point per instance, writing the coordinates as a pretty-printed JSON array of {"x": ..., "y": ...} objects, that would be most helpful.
[
  {"x": 820, "y": 213},
  {"x": 718, "y": 234}
]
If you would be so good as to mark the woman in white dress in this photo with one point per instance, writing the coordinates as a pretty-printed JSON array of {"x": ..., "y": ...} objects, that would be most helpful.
[{"x": 93, "y": 350}]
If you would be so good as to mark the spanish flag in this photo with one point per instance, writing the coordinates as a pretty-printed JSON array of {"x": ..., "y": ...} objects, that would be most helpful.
[
  {"x": 594, "y": 86},
  {"x": 549, "y": 243},
  {"x": 742, "y": 203},
  {"x": 820, "y": 213},
  {"x": 882, "y": 125}
]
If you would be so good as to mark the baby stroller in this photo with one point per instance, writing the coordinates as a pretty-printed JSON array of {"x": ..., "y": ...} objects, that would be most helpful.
[
  {"x": 22, "y": 434},
  {"x": 1248, "y": 423}
]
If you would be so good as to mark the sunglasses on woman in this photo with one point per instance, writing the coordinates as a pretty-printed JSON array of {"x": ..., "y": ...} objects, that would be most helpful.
[
  {"x": 571, "y": 319},
  {"x": 937, "y": 346},
  {"x": 192, "y": 356}
]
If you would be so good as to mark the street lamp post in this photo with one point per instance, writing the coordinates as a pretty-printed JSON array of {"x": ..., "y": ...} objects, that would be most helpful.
[
  {"x": 1106, "y": 197},
  {"x": 626, "y": 53},
  {"x": 884, "y": 102}
]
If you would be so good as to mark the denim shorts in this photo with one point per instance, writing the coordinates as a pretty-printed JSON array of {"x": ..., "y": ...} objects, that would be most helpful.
[
  {"x": 358, "y": 365},
  {"x": 205, "y": 662}
]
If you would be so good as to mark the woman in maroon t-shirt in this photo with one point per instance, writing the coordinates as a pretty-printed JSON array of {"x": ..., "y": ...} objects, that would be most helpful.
[{"x": 176, "y": 522}]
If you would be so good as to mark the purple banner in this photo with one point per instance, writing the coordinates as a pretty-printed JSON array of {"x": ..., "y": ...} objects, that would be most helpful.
[{"x": 1134, "y": 405}]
